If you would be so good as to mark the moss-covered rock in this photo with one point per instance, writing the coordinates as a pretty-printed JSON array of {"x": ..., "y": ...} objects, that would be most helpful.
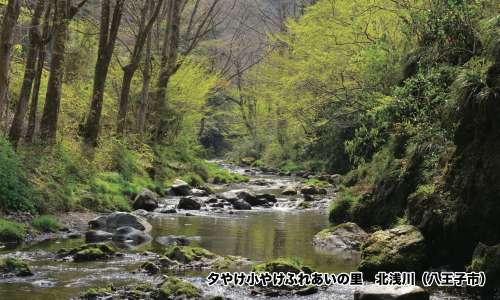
[
  {"x": 98, "y": 293},
  {"x": 175, "y": 288},
  {"x": 15, "y": 267},
  {"x": 89, "y": 252},
  {"x": 283, "y": 265},
  {"x": 188, "y": 254},
  {"x": 398, "y": 249},
  {"x": 487, "y": 259}
]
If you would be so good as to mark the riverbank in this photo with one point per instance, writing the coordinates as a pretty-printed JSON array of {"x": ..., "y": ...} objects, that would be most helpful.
[{"x": 260, "y": 234}]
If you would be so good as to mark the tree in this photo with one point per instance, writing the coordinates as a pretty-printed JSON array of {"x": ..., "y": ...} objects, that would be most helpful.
[
  {"x": 110, "y": 24},
  {"x": 29, "y": 73},
  {"x": 145, "y": 26},
  {"x": 9, "y": 22},
  {"x": 42, "y": 53},
  {"x": 201, "y": 21},
  {"x": 63, "y": 15}
]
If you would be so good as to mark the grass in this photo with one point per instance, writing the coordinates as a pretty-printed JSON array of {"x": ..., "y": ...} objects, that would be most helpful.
[
  {"x": 340, "y": 209},
  {"x": 11, "y": 232},
  {"x": 46, "y": 223},
  {"x": 317, "y": 182}
]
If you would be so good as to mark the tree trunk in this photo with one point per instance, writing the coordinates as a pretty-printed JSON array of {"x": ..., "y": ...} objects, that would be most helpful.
[
  {"x": 9, "y": 22},
  {"x": 30, "y": 133},
  {"x": 168, "y": 67},
  {"x": 146, "y": 81},
  {"x": 29, "y": 74},
  {"x": 48, "y": 127},
  {"x": 145, "y": 27},
  {"x": 107, "y": 38}
]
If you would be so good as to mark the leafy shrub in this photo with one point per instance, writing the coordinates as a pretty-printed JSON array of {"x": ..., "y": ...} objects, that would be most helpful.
[
  {"x": 11, "y": 231},
  {"x": 46, "y": 223},
  {"x": 16, "y": 192}
]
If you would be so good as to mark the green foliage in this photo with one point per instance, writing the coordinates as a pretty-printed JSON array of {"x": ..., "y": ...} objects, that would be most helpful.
[
  {"x": 16, "y": 192},
  {"x": 341, "y": 208},
  {"x": 46, "y": 223},
  {"x": 11, "y": 232}
]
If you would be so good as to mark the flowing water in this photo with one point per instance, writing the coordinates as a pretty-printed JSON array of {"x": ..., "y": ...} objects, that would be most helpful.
[{"x": 258, "y": 235}]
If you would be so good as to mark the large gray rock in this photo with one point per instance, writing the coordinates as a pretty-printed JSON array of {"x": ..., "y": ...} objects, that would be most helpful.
[
  {"x": 241, "y": 205},
  {"x": 378, "y": 292},
  {"x": 189, "y": 203},
  {"x": 146, "y": 200},
  {"x": 127, "y": 233},
  {"x": 97, "y": 236},
  {"x": 347, "y": 236},
  {"x": 199, "y": 193},
  {"x": 289, "y": 191},
  {"x": 180, "y": 188},
  {"x": 173, "y": 240},
  {"x": 116, "y": 220},
  {"x": 270, "y": 198},
  {"x": 246, "y": 195},
  {"x": 401, "y": 249},
  {"x": 230, "y": 197}
]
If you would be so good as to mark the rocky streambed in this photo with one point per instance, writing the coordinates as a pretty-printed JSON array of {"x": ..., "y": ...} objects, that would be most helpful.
[{"x": 167, "y": 247}]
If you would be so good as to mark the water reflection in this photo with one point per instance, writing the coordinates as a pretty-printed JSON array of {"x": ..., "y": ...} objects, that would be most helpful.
[{"x": 259, "y": 236}]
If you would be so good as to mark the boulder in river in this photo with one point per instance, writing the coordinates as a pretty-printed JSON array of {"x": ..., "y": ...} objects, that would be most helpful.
[
  {"x": 289, "y": 191},
  {"x": 348, "y": 236},
  {"x": 10, "y": 266},
  {"x": 312, "y": 190},
  {"x": 146, "y": 200},
  {"x": 378, "y": 292},
  {"x": 246, "y": 195},
  {"x": 89, "y": 252},
  {"x": 199, "y": 193},
  {"x": 241, "y": 205},
  {"x": 96, "y": 236},
  {"x": 270, "y": 198},
  {"x": 116, "y": 220},
  {"x": 175, "y": 288},
  {"x": 229, "y": 197},
  {"x": 127, "y": 233},
  {"x": 399, "y": 249},
  {"x": 180, "y": 188},
  {"x": 189, "y": 203}
]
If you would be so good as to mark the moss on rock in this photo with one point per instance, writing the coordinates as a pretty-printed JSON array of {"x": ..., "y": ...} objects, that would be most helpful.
[
  {"x": 188, "y": 254},
  {"x": 177, "y": 288},
  {"x": 89, "y": 252},
  {"x": 398, "y": 249},
  {"x": 283, "y": 265},
  {"x": 14, "y": 266}
]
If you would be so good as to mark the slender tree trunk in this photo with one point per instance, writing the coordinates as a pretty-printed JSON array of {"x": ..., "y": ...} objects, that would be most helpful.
[
  {"x": 146, "y": 81},
  {"x": 50, "y": 117},
  {"x": 108, "y": 34},
  {"x": 29, "y": 74},
  {"x": 168, "y": 67},
  {"x": 8, "y": 24},
  {"x": 32, "y": 118},
  {"x": 145, "y": 27}
]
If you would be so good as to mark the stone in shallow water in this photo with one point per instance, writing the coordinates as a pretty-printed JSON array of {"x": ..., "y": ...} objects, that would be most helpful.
[
  {"x": 146, "y": 200},
  {"x": 180, "y": 188},
  {"x": 348, "y": 236},
  {"x": 96, "y": 236},
  {"x": 241, "y": 205},
  {"x": 377, "y": 292},
  {"x": 116, "y": 220},
  {"x": 189, "y": 203}
]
